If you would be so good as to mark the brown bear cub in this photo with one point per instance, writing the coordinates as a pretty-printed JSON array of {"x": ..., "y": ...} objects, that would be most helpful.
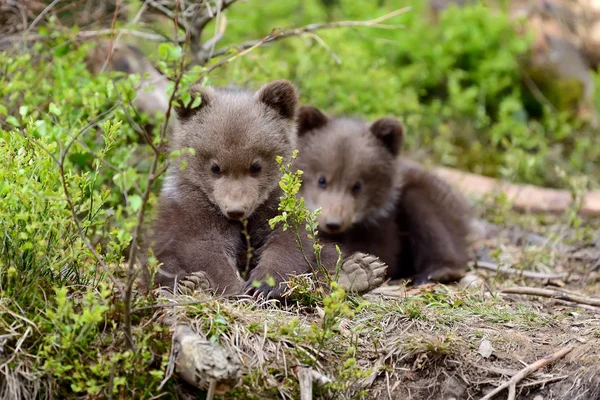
[
  {"x": 231, "y": 176},
  {"x": 373, "y": 200}
]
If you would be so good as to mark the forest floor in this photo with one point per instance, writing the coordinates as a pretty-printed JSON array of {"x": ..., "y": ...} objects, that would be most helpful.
[{"x": 436, "y": 341}]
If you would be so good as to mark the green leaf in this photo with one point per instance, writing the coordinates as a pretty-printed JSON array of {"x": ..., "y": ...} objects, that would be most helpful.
[
  {"x": 53, "y": 108},
  {"x": 270, "y": 281},
  {"x": 13, "y": 121},
  {"x": 23, "y": 111},
  {"x": 197, "y": 101},
  {"x": 135, "y": 202}
]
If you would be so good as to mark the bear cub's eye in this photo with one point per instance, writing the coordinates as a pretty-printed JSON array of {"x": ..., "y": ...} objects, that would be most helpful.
[
  {"x": 356, "y": 188},
  {"x": 215, "y": 169},
  {"x": 322, "y": 182},
  {"x": 256, "y": 167}
]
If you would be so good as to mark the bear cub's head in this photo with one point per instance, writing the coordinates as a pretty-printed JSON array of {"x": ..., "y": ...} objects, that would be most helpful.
[
  {"x": 236, "y": 136},
  {"x": 349, "y": 167}
]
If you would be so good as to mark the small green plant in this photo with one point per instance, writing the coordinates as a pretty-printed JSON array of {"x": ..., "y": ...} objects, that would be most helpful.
[{"x": 294, "y": 215}]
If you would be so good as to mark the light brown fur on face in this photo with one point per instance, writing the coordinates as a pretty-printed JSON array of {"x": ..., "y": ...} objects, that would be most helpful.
[
  {"x": 373, "y": 200},
  {"x": 236, "y": 138},
  {"x": 346, "y": 173}
]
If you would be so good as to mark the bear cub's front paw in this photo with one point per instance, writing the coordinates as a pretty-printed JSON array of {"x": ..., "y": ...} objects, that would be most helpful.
[
  {"x": 361, "y": 273},
  {"x": 196, "y": 281},
  {"x": 269, "y": 288}
]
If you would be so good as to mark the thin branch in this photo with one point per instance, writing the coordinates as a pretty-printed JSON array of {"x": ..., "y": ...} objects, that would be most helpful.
[
  {"x": 511, "y": 384},
  {"x": 168, "y": 13},
  {"x": 108, "y": 60},
  {"x": 171, "y": 305},
  {"x": 206, "y": 50},
  {"x": 281, "y": 34},
  {"x": 319, "y": 40},
  {"x": 200, "y": 22},
  {"x": 553, "y": 294},
  {"x": 83, "y": 35},
  {"x": 152, "y": 176},
  {"x": 512, "y": 271},
  {"x": 41, "y": 15}
]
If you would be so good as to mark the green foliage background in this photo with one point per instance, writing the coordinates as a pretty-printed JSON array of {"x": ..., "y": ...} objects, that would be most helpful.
[{"x": 458, "y": 84}]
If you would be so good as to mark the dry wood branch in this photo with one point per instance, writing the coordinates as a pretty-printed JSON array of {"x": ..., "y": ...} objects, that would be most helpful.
[
  {"x": 167, "y": 12},
  {"x": 553, "y": 294},
  {"x": 83, "y": 35},
  {"x": 41, "y": 15},
  {"x": 523, "y": 197},
  {"x": 304, "y": 382},
  {"x": 512, "y": 271},
  {"x": 511, "y": 384},
  {"x": 153, "y": 174},
  {"x": 281, "y": 34},
  {"x": 203, "y": 52},
  {"x": 207, "y": 15}
]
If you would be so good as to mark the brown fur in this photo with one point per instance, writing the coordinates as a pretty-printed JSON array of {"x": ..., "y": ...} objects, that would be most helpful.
[
  {"x": 232, "y": 175},
  {"x": 381, "y": 203}
]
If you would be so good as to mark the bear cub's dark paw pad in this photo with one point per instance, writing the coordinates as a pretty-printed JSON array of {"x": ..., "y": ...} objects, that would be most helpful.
[
  {"x": 362, "y": 272},
  {"x": 196, "y": 281}
]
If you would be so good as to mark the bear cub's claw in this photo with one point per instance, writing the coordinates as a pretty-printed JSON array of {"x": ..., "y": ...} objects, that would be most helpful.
[{"x": 362, "y": 272}]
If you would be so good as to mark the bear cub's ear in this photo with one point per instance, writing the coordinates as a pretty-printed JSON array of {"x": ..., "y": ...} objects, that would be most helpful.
[
  {"x": 200, "y": 97},
  {"x": 390, "y": 132},
  {"x": 280, "y": 95},
  {"x": 310, "y": 118}
]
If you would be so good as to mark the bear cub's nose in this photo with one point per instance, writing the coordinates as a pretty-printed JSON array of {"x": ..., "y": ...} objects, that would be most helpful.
[
  {"x": 236, "y": 212},
  {"x": 333, "y": 224}
]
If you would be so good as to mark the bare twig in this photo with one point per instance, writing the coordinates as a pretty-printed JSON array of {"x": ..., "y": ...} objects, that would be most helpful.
[
  {"x": 553, "y": 294},
  {"x": 90, "y": 35},
  {"x": 41, "y": 15},
  {"x": 280, "y": 34},
  {"x": 202, "y": 20},
  {"x": 512, "y": 271},
  {"x": 113, "y": 42},
  {"x": 249, "y": 249},
  {"x": 153, "y": 174},
  {"x": 205, "y": 52},
  {"x": 169, "y": 13},
  {"x": 511, "y": 384},
  {"x": 171, "y": 305}
]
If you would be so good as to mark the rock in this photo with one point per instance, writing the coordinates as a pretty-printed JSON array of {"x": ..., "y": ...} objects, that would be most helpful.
[
  {"x": 485, "y": 348},
  {"x": 204, "y": 364},
  {"x": 471, "y": 282},
  {"x": 453, "y": 388}
]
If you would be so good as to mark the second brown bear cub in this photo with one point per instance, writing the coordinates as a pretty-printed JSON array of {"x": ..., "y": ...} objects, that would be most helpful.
[{"x": 372, "y": 200}]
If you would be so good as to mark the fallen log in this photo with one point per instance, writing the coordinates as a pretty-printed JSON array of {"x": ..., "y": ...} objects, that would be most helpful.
[{"x": 527, "y": 198}]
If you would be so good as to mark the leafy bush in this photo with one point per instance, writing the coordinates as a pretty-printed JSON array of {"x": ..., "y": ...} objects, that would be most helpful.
[{"x": 66, "y": 215}]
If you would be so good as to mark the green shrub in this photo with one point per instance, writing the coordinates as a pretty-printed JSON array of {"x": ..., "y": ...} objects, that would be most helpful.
[{"x": 66, "y": 217}]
